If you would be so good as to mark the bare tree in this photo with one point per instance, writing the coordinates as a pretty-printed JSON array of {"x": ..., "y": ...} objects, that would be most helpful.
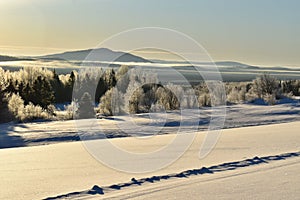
[{"x": 266, "y": 87}]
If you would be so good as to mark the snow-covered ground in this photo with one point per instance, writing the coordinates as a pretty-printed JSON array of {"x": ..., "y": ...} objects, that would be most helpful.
[
  {"x": 257, "y": 162},
  {"x": 270, "y": 181},
  {"x": 38, "y": 133},
  {"x": 260, "y": 161}
]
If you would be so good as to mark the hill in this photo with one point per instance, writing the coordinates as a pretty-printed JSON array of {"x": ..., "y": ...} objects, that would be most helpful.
[
  {"x": 11, "y": 58},
  {"x": 100, "y": 54}
]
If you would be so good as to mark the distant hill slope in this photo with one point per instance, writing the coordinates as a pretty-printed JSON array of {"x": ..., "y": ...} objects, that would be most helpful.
[
  {"x": 11, "y": 58},
  {"x": 101, "y": 54},
  {"x": 236, "y": 64},
  {"x": 218, "y": 63}
]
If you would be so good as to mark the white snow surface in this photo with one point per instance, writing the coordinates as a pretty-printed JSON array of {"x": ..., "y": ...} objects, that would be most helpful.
[
  {"x": 256, "y": 162},
  {"x": 40, "y": 133}
]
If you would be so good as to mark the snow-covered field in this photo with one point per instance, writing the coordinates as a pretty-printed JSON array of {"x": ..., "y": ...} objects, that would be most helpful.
[
  {"x": 38, "y": 133},
  {"x": 270, "y": 181},
  {"x": 258, "y": 162},
  {"x": 255, "y": 162}
]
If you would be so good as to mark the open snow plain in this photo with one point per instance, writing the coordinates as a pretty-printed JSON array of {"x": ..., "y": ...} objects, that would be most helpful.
[{"x": 255, "y": 162}]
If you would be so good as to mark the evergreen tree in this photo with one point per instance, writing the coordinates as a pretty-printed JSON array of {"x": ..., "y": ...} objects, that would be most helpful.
[
  {"x": 43, "y": 93},
  {"x": 27, "y": 93},
  {"x": 58, "y": 88},
  {"x": 68, "y": 89},
  {"x": 100, "y": 90},
  {"x": 109, "y": 78}
]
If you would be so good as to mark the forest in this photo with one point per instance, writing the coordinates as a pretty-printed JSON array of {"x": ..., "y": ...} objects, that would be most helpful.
[{"x": 36, "y": 93}]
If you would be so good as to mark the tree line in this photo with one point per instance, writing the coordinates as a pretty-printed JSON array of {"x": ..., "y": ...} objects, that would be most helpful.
[{"x": 32, "y": 93}]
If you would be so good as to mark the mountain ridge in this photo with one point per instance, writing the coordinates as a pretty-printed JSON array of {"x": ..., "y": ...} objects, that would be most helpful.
[
  {"x": 99, "y": 54},
  {"x": 107, "y": 55}
]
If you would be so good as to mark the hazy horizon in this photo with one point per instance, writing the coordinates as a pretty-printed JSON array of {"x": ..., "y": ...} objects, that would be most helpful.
[{"x": 253, "y": 32}]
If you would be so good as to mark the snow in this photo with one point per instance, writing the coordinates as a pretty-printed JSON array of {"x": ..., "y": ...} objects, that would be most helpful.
[
  {"x": 46, "y": 171},
  {"x": 39, "y": 133},
  {"x": 278, "y": 181}
]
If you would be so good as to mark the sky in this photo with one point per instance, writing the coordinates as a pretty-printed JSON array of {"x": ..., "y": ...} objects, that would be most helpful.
[{"x": 260, "y": 32}]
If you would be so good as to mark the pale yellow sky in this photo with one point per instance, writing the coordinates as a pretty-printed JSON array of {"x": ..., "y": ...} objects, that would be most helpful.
[{"x": 255, "y": 32}]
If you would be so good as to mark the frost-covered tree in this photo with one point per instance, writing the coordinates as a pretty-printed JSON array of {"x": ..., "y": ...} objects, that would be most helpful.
[
  {"x": 291, "y": 87},
  {"x": 217, "y": 93},
  {"x": 131, "y": 96},
  {"x": 203, "y": 94},
  {"x": 105, "y": 106},
  {"x": 3, "y": 86},
  {"x": 32, "y": 112},
  {"x": 16, "y": 105},
  {"x": 265, "y": 84},
  {"x": 122, "y": 71},
  {"x": 25, "y": 113},
  {"x": 3, "y": 79},
  {"x": 167, "y": 99},
  {"x": 135, "y": 104},
  {"x": 71, "y": 110},
  {"x": 177, "y": 90},
  {"x": 204, "y": 100},
  {"x": 237, "y": 93},
  {"x": 117, "y": 102},
  {"x": 190, "y": 99},
  {"x": 266, "y": 87},
  {"x": 109, "y": 78}
]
